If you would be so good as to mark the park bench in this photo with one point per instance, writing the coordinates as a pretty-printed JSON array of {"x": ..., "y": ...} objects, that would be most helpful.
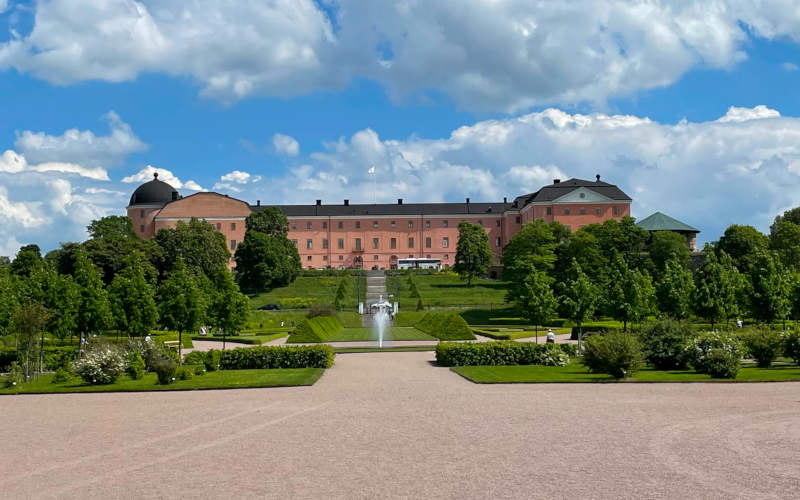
[{"x": 171, "y": 344}]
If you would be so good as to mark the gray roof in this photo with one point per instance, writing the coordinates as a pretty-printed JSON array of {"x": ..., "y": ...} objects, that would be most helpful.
[
  {"x": 342, "y": 210},
  {"x": 559, "y": 189},
  {"x": 154, "y": 191},
  {"x": 663, "y": 222}
]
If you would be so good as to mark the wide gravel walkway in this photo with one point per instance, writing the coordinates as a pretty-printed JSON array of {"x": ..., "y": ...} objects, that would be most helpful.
[{"x": 393, "y": 425}]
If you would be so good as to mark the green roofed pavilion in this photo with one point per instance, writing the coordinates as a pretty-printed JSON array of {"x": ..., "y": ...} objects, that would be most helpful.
[{"x": 663, "y": 222}]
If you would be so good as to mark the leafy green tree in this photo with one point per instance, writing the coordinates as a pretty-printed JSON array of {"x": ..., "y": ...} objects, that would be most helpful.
[
  {"x": 718, "y": 286},
  {"x": 30, "y": 319},
  {"x": 770, "y": 288},
  {"x": 473, "y": 254},
  {"x": 94, "y": 311},
  {"x": 8, "y": 300},
  {"x": 623, "y": 236},
  {"x": 629, "y": 293},
  {"x": 59, "y": 294},
  {"x": 578, "y": 298},
  {"x": 674, "y": 290},
  {"x": 537, "y": 240},
  {"x": 228, "y": 307},
  {"x": 534, "y": 299},
  {"x": 112, "y": 241},
  {"x": 784, "y": 239},
  {"x": 28, "y": 259},
  {"x": 582, "y": 247},
  {"x": 667, "y": 246},
  {"x": 63, "y": 259},
  {"x": 133, "y": 299},
  {"x": 181, "y": 302},
  {"x": 198, "y": 243},
  {"x": 269, "y": 221},
  {"x": 264, "y": 262},
  {"x": 112, "y": 226},
  {"x": 742, "y": 244}
]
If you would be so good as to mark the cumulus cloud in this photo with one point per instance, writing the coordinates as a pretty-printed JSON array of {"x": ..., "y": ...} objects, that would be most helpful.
[
  {"x": 235, "y": 181},
  {"x": 82, "y": 146},
  {"x": 285, "y": 145},
  {"x": 735, "y": 114},
  {"x": 146, "y": 174},
  {"x": 789, "y": 66},
  {"x": 488, "y": 55},
  {"x": 13, "y": 162}
]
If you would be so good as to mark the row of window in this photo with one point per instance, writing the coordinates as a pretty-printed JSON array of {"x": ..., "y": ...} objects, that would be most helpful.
[
  {"x": 582, "y": 210},
  {"x": 377, "y": 257},
  {"x": 376, "y": 224},
  {"x": 376, "y": 243}
]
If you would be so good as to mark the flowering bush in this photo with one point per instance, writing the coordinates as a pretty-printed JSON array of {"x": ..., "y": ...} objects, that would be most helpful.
[
  {"x": 101, "y": 365},
  {"x": 726, "y": 348}
]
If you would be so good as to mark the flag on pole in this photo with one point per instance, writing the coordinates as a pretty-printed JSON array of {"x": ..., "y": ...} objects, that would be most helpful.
[{"x": 371, "y": 170}]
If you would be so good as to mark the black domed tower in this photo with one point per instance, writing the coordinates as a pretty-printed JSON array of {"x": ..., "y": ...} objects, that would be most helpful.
[{"x": 147, "y": 201}]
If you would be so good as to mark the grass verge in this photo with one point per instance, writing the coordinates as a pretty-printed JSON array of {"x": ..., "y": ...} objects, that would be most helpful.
[
  {"x": 224, "y": 379},
  {"x": 367, "y": 334},
  {"x": 576, "y": 372},
  {"x": 241, "y": 339}
]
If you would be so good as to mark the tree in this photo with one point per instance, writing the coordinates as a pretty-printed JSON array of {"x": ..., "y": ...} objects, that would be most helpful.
[
  {"x": 667, "y": 246},
  {"x": 629, "y": 292},
  {"x": 8, "y": 300},
  {"x": 30, "y": 319},
  {"x": 538, "y": 240},
  {"x": 198, "y": 244},
  {"x": 27, "y": 260},
  {"x": 770, "y": 288},
  {"x": 535, "y": 300},
  {"x": 264, "y": 262},
  {"x": 94, "y": 312},
  {"x": 578, "y": 297},
  {"x": 269, "y": 221},
  {"x": 227, "y": 309},
  {"x": 624, "y": 237},
  {"x": 582, "y": 247},
  {"x": 784, "y": 239},
  {"x": 675, "y": 289},
  {"x": 473, "y": 254},
  {"x": 742, "y": 243},
  {"x": 111, "y": 227},
  {"x": 717, "y": 287},
  {"x": 63, "y": 259},
  {"x": 181, "y": 302},
  {"x": 133, "y": 299}
]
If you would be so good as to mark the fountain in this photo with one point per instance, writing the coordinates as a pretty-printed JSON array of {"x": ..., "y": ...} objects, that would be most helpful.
[{"x": 381, "y": 319}]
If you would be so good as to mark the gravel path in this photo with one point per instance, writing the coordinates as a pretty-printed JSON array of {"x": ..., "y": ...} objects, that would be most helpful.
[{"x": 394, "y": 425}]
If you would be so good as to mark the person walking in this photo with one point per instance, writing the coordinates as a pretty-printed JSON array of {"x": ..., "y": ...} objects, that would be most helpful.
[{"x": 551, "y": 337}]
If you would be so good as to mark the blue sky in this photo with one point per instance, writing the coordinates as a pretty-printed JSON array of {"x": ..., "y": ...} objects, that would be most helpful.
[{"x": 690, "y": 109}]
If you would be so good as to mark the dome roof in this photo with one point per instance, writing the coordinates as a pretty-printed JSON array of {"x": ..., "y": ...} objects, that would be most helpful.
[{"x": 155, "y": 191}]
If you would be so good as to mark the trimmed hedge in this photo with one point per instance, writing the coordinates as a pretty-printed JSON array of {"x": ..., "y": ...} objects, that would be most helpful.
[
  {"x": 314, "y": 330},
  {"x": 502, "y": 353},
  {"x": 445, "y": 326},
  {"x": 54, "y": 357},
  {"x": 307, "y": 356}
]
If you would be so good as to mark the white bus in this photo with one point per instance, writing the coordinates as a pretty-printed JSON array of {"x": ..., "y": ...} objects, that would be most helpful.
[{"x": 415, "y": 263}]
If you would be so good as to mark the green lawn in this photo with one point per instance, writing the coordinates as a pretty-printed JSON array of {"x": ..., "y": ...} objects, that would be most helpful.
[
  {"x": 395, "y": 333},
  {"x": 446, "y": 290},
  {"x": 321, "y": 290},
  {"x": 251, "y": 339},
  {"x": 225, "y": 379},
  {"x": 510, "y": 333},
  {"x": 576, "y": 372}
]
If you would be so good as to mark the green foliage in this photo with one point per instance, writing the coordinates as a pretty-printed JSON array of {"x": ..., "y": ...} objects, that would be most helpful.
[
  {"x": 270, "y": 221},
  {"x": 629, "y": 293},
  {"x": 668, "y": 246},
  {"x": 100, "y": 364},
  {"x": 184, "y": 373},
  {"x": 664, "y": 343},
  {"x": 295, "y": 302},
  {"x": 199, "y": 370},
  {"x": 227, "y": 309},
  {"x": 211, "y": 360},
  {"x": 791, "y": 345},
  {"x": 617, "y": 354},
  {"x": 445, "y": 326},
  {"x": 194, "y": 358},
  {"x": 420, "y": 305},
  {"x": 94, "y": 312},
  {"x": 15, "y": 375},
  {"x": 316, "y": 311},
  {"x": 28, "y": 259},
  {"x": 742, "y": 243},
  {"x": 165, "y": 369},
  {"x": 29, "y": 321},
  {"x": 315, "y": 329},
  {"x": 264, "y": 262},
  {"x": 764, "y": 345},
  {"x": 112, "y": 242},
  {"x": 408, "y": 318},
  {"x": 675, "y": 289},
  {"x": 718, "y": 286},
  {"x": 533, "y": 296},
  {"x": 136, "y": 365},
  {"x": 535, "y": 241},
  {"x": 727, "y": 352},
  {"x": 577, "y": 296},
  {"x": 111, "y": 227},
  {"x": 132, "y": 299},
  {"x": 61, "y": 376},
  {"x": 500, "y": 353},
  {"x": 473, "y": 254},
  {"x": 198, "y": 244},
  {"x": 181, "y": 301},
  {"x": 314, "y": 356},
  {"x": 770, "y": 287}
]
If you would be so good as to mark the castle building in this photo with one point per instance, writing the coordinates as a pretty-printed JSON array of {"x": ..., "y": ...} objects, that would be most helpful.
[{"x": 377, "y": 236}]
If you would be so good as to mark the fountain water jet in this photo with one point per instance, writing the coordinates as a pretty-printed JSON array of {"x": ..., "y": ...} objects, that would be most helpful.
[{"x": 381, "y": 319}]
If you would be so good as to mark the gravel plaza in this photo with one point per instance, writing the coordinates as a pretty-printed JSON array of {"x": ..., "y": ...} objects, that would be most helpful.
[{"x": 388, "y": 425}]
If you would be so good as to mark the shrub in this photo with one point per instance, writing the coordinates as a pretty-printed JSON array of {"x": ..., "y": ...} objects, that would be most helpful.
[
  {"x": 315, "y": 330},
  {"x": 446, "y": 326},
  {"x": 15, "y": 376},
  {"x": 311, "y": 356},
  {"x": 791, "y": 346},
  {"x": 194, "y": 358},
  {"x": 165, "y": 369},
  {"x": 101, "y": 364},
  {"x": 700, "y": 347},
  {"x": 211, "y": 360},
  {"x": 664, "y": 343},
  {"x": 185, "y": 373},
  {"x": 135, "y": 365},
  {"x": 500, "y": 353},
  {"x": 61, "y": 376},
  {"x": 59, "y": 357},
  {"x": 199, "y": 370},
  {"x": 722, "y": 363},
  {"x": 295, "y": 302},
  {"x": 763, "y": 345},
  {"x": 317, "y": 311},
  {"x": 617, "y": 354},
  {"x": 7, "y": 358}
]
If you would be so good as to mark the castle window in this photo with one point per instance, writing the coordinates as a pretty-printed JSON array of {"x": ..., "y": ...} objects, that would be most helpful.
[
  {"x": 497, "y": 222},
  {"x": 497, "y": 241},
  {"x": 445, "y": 242},
  {"x": 358, "y": 224},
  {"x": 294, "y": 242},
  {"x": 598, "y": 211},
  {"x": 393, "y": 243},
  {"x": 566, "y": 210},
  {"x": 428, "y": 224},
  {"x": 294, "y": 226},
  {"x": 341, "y": 224},
  {"x": 340, "y": 243},
  {"x": 394, "y": 223},
  {"x": 308, "y": 225},
  {"x": 324, "y": 257},
  {"x": 308, "y": 257},
  {"x": 616, "y": 210},
  {"x": 233, "y": 226},
  {"x": 583, "y": 209},
  {"x": 141, "y": 228},
  {"x": 411, "y": 243},
  {"x": 309, "y": 244},
  {"x": 549, "y": 210},
  {"x": 233, "y": 244},
  {"x": 427, "y": 242},
  {"x": 519, "y": 219},
  {"x": 375, "y": 257},
  {"x": 324, "y": 225},
  {"x": 375, "y": 242},
  {"x": 358, "y": 243},
  {"x": 325, "y": 243},
  {"x": 341, "y": 257},
  {"x": 374, "y": 223},
  {"x": 141, "y": 213},
  {"x": 219, "y": 226},
  {"x": 445, "y": 223},
  {"x": 411, "y": 224}
]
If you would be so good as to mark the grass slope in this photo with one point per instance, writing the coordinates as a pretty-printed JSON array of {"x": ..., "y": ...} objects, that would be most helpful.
[
  {"x": 446, "y": 290},
  {"x": 365, "y": 334},
  {"x": 224, "y": 379},
  {"x": 575, "y": 372},
  {"x": 320, "y": 289},
  {"x": 242, "y": 339}
]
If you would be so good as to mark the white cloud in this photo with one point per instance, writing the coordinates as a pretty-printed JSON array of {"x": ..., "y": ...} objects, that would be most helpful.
[
  {"x": 236, "y": 176},
  {"x": 26, "y": 214},
  {"x": 235, "y": 181},
  {"x": 146, "y": 174},
  {"x": 789, "y": 66},
  {"x": 3, "y": 6},
  {"x": 735, "y": 114},
  {"x": 13, "y": 162},
  {"x": 489, "y": 55},
  {"x": 82, "y": 146},
  {"x": 285, "y": 145}
]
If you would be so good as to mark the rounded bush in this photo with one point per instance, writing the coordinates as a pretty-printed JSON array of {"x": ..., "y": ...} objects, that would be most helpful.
[
  {"x": 664, "y": 344},
  {"x": 100, "y": 365},
  {"x": 791, "y": 346},
  {"x": 211, "y": 360},
  {"x": 61, "y": 376},
  {"x": 700, "y": 347},
  {"x": 764, "y": 346},
  {"x": 135, "y": 365},
  {"x": 15, "y": 376},
  {"x": 722, "y": 363},
  {"x": 617, "y": 354},
  {"x": 165, "y": 369}
]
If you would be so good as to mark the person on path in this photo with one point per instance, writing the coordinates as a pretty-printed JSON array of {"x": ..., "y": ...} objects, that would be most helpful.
[{"x": 551, "y": 337}]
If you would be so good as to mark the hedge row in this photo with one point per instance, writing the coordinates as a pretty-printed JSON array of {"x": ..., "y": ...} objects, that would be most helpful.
[
  {"x": 249, "y": 358},
  {"x": 503, "y": 353},
  {"x": 54, "y": 357},
  {"x": 313, "y": 330},
  {"x": 445, "y": 326}
]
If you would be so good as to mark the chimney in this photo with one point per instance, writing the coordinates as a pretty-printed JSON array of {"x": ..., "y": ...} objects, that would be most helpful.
[
  {"x": 556, "y": 181},
  {"x": 467, "y": 201},
  {"x": 505, "y": 200},
  {"x": 598, "y": 177},
  {"x": 399, "y": 201},
  {"x": 258, "y": 203},
  {"x": 319, "y": 202},
  {"x": 347, "y": 203}
]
